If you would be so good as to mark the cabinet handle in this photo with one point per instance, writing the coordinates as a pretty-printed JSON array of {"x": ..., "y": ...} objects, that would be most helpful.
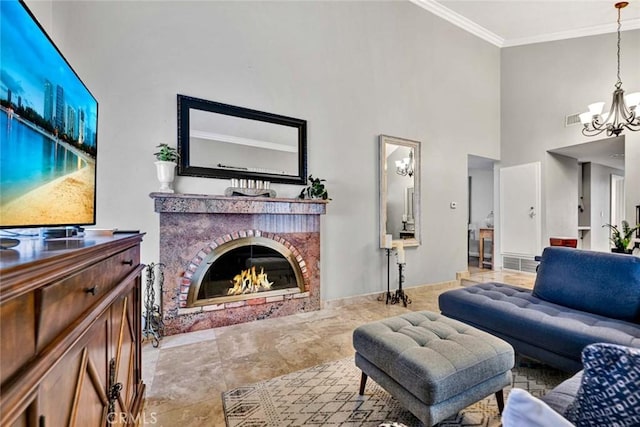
[
  {"x": 92, "y": 290},
  {"x": 128, "y": 262},
  {"x": 114, "y": 387}
]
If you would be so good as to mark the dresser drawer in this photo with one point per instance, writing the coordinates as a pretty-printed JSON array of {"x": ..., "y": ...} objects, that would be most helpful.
[{"x": 66, "y": 300}]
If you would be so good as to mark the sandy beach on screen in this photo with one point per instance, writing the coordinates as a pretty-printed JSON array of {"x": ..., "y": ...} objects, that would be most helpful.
[{"x": 66, "y": 200}]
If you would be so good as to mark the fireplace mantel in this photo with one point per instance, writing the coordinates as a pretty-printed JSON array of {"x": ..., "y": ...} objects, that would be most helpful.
[
  {"x": 194, "y": 225},
  {"x": 201, "y": 203}
]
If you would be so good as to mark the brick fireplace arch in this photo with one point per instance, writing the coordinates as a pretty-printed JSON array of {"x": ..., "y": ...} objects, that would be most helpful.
[{"x": 207, "y": 255}]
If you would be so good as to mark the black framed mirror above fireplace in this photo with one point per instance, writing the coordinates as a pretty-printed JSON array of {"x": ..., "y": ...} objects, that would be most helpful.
[{"x": 218, "y": 140}]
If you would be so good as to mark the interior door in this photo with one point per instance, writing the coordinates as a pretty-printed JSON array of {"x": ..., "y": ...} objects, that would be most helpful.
[{"x": 520, "y": 220}]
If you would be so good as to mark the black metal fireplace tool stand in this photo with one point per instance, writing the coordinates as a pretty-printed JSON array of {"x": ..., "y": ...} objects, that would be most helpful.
[{"x": 153, "y": 324}]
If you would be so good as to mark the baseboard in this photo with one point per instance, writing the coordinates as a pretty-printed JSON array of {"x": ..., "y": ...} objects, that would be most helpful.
[
  {"x": 359, "y": 299},
  {"x": 462, "y": 275}
]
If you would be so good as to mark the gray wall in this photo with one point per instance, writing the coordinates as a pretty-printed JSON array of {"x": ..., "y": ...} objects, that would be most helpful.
[
  {"x": 540, "y": 85},
  {"x": 353, "y": 70},
  {"x": 600, "y": 201}
]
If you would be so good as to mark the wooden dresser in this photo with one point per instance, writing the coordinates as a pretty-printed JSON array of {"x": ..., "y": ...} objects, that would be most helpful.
[{"x": 70, "y": 328}]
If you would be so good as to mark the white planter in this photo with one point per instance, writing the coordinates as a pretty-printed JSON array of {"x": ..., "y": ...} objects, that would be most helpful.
[{"x": 166, "y": 174}]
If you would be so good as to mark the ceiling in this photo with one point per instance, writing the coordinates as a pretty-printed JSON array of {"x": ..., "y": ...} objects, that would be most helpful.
[
  {"x": 607, "y": 152},
  {"x": 516, "y": 22}
]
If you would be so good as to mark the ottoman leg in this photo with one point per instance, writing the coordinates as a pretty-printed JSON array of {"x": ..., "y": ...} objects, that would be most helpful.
[
  {"x": 500, "y": 400},
  {"x": 363, "y": 382}
]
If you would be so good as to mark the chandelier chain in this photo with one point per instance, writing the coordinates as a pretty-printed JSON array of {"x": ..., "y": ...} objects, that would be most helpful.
[{"x": 619, "y": 82}]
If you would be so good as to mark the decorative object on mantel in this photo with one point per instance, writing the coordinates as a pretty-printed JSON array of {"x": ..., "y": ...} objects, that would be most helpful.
[
  {"x": 166, "y": 166},
  {"x": 250, "y": 188},
  {"x": 624, "y": 110},
  {"x": 316, "y": 190},
  {"x": 622, "y": 239}
]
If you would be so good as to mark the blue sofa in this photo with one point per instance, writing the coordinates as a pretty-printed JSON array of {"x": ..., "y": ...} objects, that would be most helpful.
[{"x": 580, "y": 297}]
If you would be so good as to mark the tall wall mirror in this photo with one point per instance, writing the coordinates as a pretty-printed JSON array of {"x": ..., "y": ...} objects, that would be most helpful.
[
  {"x": 399, "y": 190},
  {"x": 224, "y": 141}
]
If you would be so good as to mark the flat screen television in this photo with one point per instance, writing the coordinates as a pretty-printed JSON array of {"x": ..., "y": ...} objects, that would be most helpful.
[{"x": 48, "y": 129}]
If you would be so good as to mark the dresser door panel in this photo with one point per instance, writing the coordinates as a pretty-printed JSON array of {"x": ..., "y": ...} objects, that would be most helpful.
[{"x": 74, "y": 392}]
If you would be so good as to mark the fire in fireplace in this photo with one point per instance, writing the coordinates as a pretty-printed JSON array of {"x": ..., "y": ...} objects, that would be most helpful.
[
  {"x": 248, "y": 282},
  {"x": 245, "y": 268}
]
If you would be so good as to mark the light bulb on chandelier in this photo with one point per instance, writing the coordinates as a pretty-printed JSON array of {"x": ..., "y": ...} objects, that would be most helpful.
[{"x": 624, "y": 112}]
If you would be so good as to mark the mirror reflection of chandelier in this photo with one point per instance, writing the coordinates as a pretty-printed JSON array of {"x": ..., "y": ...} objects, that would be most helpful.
[
  {"x": 624, "y": 111},
  {"x": 404, "y": 167}
]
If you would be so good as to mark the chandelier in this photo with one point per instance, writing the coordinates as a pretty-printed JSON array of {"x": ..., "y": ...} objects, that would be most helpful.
[
  {"x": 624, "y": 110},
  {"x": 404, "y": 167}
]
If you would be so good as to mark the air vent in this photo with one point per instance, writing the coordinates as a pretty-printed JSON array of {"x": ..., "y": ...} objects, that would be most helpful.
[
  {"x": 572, "y": 120},
  {"x": 527, "y": 265}
]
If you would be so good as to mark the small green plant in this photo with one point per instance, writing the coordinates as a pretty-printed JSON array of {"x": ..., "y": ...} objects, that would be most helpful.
[
  {"x": 166, "y": 153},
  {"x": 316, "y": 190},
  {"x": 621, "y": 239}
]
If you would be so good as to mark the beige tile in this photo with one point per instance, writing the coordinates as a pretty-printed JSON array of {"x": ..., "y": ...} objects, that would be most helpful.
[
  {"x": 200, "y": 414},
  {"x": 187, "y": 373}
]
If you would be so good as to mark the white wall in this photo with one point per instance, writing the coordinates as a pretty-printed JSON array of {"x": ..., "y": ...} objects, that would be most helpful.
[
  {"x": 353, "y": 70},
  {"x": 601, "y": 205},
  {"x": 544, "y": 82}
]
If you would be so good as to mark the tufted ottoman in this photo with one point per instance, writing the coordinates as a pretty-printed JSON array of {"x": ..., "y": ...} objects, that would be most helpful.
[{"x": 434, "y": 366}]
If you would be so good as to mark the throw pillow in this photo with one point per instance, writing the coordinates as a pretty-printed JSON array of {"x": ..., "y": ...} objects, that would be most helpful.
[
  {"x": 524, "y": 410},
  {"x": 609, "y": 393}
]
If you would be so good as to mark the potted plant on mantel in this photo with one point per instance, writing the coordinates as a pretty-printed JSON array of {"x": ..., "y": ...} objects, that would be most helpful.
[
  {"x": 166, "y": 166},
  {"x": 621, "y": 239},
  {"x": 316, "y": 190}
]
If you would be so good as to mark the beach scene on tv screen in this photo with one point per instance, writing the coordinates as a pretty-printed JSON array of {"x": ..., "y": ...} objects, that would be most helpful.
[{"x": 48, "y": 124}]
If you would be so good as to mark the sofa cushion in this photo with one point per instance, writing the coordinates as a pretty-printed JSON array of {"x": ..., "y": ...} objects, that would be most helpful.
[
  {"x": 512, "y": 312},
  {"x": 609, "y": 394},
  {"x": 596, "y": 282}
]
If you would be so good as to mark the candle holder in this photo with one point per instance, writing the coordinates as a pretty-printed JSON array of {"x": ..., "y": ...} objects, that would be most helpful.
[
  {"x": 399, "y": 294},
  {"x": 388, "y": 296}
]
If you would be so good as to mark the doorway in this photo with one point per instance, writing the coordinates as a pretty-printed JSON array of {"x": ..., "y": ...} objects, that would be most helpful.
[{"x": 481, "y": 213}]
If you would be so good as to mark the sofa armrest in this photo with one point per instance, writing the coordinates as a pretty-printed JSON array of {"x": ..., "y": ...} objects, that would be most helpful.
[{"x": 564, "y": 394}]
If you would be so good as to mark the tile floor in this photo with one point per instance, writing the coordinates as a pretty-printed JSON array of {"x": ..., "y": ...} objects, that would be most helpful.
[{"x": 186, "y": 375}]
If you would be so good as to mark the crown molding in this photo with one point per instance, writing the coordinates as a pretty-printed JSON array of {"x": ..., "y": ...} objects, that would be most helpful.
[
  {"x": 468, "y": 25},
  {"x": 460, "y": 21},
  {"x": 632, "y": 24}
]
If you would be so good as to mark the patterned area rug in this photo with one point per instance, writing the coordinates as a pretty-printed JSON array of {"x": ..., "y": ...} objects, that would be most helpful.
[{"x": 327, "y": 395}]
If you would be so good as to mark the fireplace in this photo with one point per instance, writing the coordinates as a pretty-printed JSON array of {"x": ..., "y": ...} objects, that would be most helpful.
[
  {"x": 230, "y": 260},
  {"x": 243, "y": 269}
]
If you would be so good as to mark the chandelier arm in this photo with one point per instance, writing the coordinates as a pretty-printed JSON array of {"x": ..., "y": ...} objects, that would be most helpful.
[
  {"x": 591, "y": 132},
  {"x": 632, "y": 126}
]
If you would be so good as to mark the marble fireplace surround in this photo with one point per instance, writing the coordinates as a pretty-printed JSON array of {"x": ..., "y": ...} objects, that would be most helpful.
[{"x": 191, "y": 226}]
